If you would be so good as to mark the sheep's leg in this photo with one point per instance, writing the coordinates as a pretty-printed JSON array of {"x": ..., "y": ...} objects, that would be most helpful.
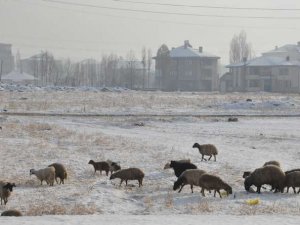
[
  {"x": 107, "y": 172},
  {"x": 215, "y": 158},
  {"x": 121, "y": 182},
  {"x": 203, "y": 158},
  {"x": 126, "y": 182},
  {"x": 294, "y": 190},
  {"x": 181, "y": 188},
  {"x": 140, "y": 182},
  {"x": 298, "y": 191},
  {"x": 202, "y": 192},
  {"x": 192, "y": 188},
  {"x": 215, "y": 193},
  {"x": 258, "y": 189},
  {"x": 287, "y": 189},
  {"x": 219, "y": 193},
  {"x": 209, "y": 157}
]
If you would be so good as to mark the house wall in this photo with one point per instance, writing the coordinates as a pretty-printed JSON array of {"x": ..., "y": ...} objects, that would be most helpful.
[
  {"x": 274, "y": 79},
  {"x": 193, "y": 74}
]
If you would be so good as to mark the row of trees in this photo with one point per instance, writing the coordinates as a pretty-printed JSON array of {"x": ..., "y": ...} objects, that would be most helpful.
[{"x": 111, "y": 70}]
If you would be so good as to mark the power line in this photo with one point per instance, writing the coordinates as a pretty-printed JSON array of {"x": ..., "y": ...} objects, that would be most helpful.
[
  {"x": 209, "y": 6},
  {"x": 165, "y": 21},
  {"x": 171, "y": 13}
]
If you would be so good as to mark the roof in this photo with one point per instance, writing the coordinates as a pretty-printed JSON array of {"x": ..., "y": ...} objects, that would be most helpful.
[
  {"x": 286, "y": 48},
  {"x": 189, "y": 52},
  {"x": 16, "y": 76},
  {"x": 266, "y": 61}
]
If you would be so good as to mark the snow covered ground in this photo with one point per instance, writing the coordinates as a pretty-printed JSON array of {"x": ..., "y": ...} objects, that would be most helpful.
[{"x": 35, "y": 142}]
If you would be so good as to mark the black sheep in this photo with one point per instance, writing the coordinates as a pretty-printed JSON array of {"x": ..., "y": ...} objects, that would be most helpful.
[{"x": 180, "y": 167}]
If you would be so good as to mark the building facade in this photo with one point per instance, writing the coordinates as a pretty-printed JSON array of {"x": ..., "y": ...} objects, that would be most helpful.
[
  {"x": 275, "y": 71},
  {"x": 187, "y": 69}
]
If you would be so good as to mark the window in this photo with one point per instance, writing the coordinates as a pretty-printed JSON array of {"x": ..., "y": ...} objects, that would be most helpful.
[
  {"x": 206, "y": 72},
  {"x": 254, "y": 71},
  {"x": 283, "y": 71},
  {"x": 253, "y": 83}
]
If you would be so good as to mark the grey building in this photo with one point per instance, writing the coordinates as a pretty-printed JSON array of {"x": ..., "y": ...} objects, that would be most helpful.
[
  {"x": 188, "y": 69},
  {"x": 275, "y": 71}
]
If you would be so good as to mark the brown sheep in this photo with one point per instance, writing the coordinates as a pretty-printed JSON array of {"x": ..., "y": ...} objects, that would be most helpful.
[
  {"x": 100, "y": 166},
  {"x": 207, "y": 149},
  {"x": 212, "y": 182},
  {"x": 270, "y": 174},
  {"x": 129, "y": 174},
  {"x": 60, "y": 172},
  {"x": 292, "y": 180},
  {"x": 5, "y": 191},
  {"x": 11, "y": 212},
  {"x": 190, "y": 177}
]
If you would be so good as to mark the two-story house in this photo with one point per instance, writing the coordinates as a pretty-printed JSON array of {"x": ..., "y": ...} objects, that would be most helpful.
[
  {"x": 275, "y": 71},
  {"x": 188, "y": 69}
]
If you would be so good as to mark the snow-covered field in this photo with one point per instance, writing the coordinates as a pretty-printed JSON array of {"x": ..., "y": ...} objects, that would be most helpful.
[{"x": 35, "y": 142}]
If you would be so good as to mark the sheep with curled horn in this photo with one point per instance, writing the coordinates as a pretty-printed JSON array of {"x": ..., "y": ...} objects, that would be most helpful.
[{"x": 207, "y": 149}]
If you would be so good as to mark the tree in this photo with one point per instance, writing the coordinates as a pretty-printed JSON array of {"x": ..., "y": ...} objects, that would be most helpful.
[
  {"x": 162, "y": 65},
  {"x": 149, "y": 64},
  {"x": 240, "y": 49},
  {"x": 144, "y": 63}
]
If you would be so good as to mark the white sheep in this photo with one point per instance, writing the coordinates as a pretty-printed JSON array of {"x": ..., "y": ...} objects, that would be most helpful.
[
  {"x": 190, "y": 177},
  {"x": 47, "y": 174}
]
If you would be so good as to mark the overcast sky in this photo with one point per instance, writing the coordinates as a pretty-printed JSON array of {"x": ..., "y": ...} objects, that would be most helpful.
[{"x": 83, "y": 32}]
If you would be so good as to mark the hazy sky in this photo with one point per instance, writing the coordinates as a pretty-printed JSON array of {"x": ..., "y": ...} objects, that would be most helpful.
[{"x": 84, "y": 32}]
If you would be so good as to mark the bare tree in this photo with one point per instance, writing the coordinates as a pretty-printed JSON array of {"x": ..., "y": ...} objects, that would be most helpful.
[
  {"x": 149, "y": 64},
  {"x": 144, "y": 63},
  {"x": 131, "y": 68},
  {"x": 162, "y": 65},
  {"x": 240, "y": 49}
]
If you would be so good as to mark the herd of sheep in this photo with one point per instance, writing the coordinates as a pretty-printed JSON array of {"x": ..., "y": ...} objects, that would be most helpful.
[{"x": 186, "y": 172}]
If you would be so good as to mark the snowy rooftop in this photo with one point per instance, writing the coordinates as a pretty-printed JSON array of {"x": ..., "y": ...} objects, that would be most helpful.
[
  {"x": 266, "y": 61},
  {"x": 188, "y": 51},
  {"x": 286, "y": 48}
]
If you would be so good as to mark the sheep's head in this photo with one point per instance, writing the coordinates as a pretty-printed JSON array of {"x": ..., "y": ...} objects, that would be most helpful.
[
  {"x": 176, "y": 185},
  {"x": 115, "y": 166},
  {"x": 196, "y": 145},
  {"x": 247, "y": 183},
  {"x": 246, "y": 174},
  {"x": 113, "y": 176},
  {"x": 167, "y": 166},
  {"x": 228, "y": 190},
  {"x": 32, "y": 171},
  {"x": 91, "y": 162},
  {"x": 172, "y": 163},
  {"x": 9, "y": 186}
]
